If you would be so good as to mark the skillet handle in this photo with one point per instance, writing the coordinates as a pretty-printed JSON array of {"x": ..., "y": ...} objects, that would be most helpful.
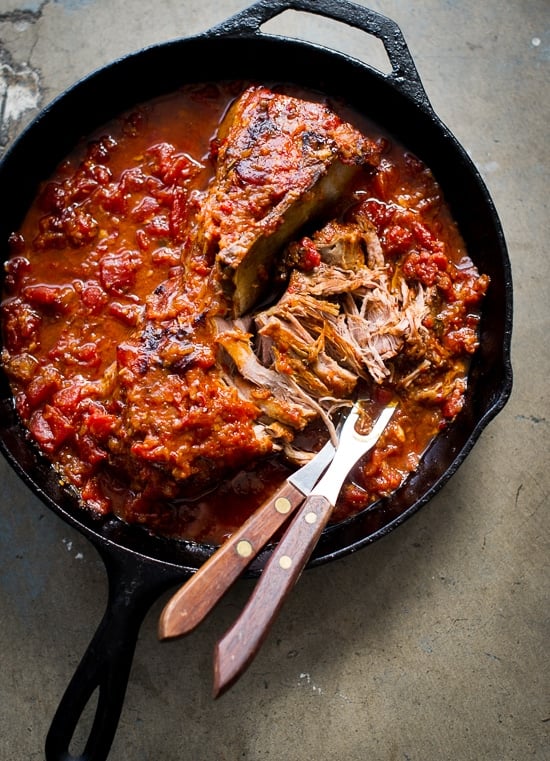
[
  {"x": 105, "y": 666},
  {"x": 404, "y": 75}
]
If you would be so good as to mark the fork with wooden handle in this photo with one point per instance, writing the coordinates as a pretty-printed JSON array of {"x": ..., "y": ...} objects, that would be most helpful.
[
  {"x": 238, "y": 647},
  {"x": 195, "y": 599}
]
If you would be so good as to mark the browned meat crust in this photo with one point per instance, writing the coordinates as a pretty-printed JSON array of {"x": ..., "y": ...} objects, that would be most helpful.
[{"x": 281, "y": 161}]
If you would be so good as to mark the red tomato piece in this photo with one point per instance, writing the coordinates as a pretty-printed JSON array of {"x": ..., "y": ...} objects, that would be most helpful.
[{"x": 118, "y": 271}]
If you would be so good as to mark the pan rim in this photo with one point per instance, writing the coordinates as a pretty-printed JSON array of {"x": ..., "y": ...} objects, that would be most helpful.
[{"x": 502, "y": 391}]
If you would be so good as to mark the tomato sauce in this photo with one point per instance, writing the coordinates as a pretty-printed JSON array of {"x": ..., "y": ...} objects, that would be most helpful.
[{"x": 104, "y": 234}]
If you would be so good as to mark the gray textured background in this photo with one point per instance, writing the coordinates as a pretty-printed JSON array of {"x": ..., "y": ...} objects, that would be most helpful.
[{"x": 431, "y": 645}]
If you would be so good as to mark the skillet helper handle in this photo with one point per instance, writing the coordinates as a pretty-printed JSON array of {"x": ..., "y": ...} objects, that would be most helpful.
[
  {"x": 196, "y": 598},
  {"x": 404, "y": 74},
  {"x": 106, "y": 664},
  {"x": 237, "y": 648}
]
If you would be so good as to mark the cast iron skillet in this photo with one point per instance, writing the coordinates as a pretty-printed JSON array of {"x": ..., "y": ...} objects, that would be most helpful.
[{"x": 141, "y": 567}]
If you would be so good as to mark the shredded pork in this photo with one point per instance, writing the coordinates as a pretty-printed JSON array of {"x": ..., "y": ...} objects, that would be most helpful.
[{"x": 339, "y": 323}]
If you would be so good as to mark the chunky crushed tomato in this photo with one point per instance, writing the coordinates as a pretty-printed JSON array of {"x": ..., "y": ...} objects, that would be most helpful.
[{"x": 105, "y": 233}]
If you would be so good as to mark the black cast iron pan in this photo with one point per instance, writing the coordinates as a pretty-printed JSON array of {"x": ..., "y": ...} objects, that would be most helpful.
[{"x": 140, "y": 567}]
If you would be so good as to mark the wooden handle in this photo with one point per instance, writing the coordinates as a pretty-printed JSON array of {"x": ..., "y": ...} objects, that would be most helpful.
[
  {"x": 238, "y": 647},
  {"x": 196, "y": 598}
]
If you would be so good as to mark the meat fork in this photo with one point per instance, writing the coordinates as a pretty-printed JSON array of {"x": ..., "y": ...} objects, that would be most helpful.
[
  {"x": 237, "y": 648},
  {"x": 196, "y": 598}
]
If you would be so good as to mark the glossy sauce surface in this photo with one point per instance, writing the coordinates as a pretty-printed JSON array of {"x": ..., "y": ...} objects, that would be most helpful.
[{"x": 105, "y": 233}]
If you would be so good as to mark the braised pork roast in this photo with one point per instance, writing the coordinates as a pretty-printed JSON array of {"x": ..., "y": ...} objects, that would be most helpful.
[{"x": 303, "y": 264}]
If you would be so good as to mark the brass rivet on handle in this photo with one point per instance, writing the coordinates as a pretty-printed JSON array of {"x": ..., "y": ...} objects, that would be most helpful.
[
  {"x": 282, "y": 505},
  {"x": 310, "y": 517},
  {"x": 285, "y": 562},
  {"x": 244, "y": 548}
]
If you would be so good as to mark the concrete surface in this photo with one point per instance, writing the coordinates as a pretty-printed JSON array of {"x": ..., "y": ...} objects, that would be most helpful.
[{"x": 432, "y": 644}]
